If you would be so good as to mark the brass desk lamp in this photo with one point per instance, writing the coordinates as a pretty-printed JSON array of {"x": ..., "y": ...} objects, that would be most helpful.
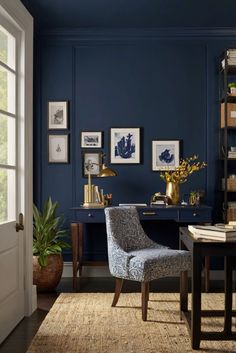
[{"x": 91, "y": 192}]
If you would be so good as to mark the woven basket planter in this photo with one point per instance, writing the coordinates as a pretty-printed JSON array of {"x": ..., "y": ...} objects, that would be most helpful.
[{"x": 47, "y": 278}]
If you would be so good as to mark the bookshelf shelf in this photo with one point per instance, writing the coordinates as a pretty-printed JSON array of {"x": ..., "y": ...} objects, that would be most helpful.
[{"x": 227, "y": 102}]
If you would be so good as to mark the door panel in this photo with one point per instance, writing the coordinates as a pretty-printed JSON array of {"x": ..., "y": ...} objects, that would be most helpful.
[
  {"x": 8, "y": 136},
  {"x": 9, "y": 263},
  {"x": 11, "y": 175},
  {"x": 8, "y": 195}
]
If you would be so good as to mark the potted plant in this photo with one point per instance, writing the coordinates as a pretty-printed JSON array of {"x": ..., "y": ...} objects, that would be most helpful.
[
  {"x": 232, "y": 87},
  {"x": 47, "y": 246}
]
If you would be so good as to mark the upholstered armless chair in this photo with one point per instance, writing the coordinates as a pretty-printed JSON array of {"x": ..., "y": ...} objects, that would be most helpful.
[{"x": 134, "y": 256}]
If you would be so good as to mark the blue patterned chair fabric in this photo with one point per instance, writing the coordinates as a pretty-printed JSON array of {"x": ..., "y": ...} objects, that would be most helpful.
[{"x": 133, "y": 255}]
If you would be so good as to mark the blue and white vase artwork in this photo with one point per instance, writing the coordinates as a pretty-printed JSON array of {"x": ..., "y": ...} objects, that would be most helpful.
[
  {"x": 166, "y": 156},
  {"x": 125, "y": 147}
]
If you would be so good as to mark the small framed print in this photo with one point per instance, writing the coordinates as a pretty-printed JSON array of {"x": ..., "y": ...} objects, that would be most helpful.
[
  {"x": 125, "y": 145},
  {"x": 58, "y": 149},
  {"x": 165, "y": 154},
  {"x": 58, "y": 115},
  {"x": 91, "y": 163},
  {"x": 91, "y": 139}
]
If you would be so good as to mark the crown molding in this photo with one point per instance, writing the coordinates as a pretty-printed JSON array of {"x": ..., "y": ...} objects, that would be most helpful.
[{"x": 116, "y": 34}]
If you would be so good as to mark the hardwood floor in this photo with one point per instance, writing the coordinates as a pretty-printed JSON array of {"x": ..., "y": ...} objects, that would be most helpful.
[{"x": 19, "y": 340}]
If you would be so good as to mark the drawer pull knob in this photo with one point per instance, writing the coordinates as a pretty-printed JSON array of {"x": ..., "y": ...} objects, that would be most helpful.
[
  {"x": 194, "y": 214},
  {"x": 149, "y": 213},
  {"x": 90, "y": 215}
]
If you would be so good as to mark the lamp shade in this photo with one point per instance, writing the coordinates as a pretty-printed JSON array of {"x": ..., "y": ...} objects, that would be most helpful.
[{"x": 106, "y": 172}]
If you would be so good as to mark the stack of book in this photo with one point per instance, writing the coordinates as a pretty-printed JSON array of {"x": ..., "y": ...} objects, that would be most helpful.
[
  {"x": 231, "y": 154},
  {"x": 133, "y": 204},
  {"x": 231, "y": 55},
  {"x": 217, "y": 232},
  {"x": 158, "y": 202},
  {"x": 232, "y": 204}
]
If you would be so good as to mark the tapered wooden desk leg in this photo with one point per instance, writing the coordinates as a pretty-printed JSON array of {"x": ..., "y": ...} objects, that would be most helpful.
[
  {"x": 207, "y": 273},
  {"x": 183, "y": 292},
  {"x": 74, "y": 241},
  {"x": 228, "y": 294},
  {"x": 196, "y": 299},
  {"x": 80, "y": 235}
]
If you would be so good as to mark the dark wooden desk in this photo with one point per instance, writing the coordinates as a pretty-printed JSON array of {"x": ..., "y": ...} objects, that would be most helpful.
[
  {"x": 199, "y": 249},
  {"x": 83, "y": 216}
]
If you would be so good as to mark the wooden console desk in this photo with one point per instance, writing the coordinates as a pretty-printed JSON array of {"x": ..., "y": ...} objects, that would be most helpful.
[
  {"x": 199, "y": 249},
  {"x": 82, "y": 216}
]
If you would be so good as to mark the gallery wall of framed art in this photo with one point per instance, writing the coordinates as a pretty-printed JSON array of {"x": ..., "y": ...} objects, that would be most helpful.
[{"x": 58, "y": 139}]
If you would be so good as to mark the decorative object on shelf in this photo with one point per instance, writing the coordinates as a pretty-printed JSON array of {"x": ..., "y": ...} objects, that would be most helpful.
[
  {"x": 58, "y": 115},
  {"x": 58, "y": 149},
  {"x": 231, "y": 115},
  {"x": 229, "y": 58},
  {"x": 125, "y": 145},
  {"x": 232, "y": 152},
  {"x": 47, "y": 246},
  {"x": 194, "y": 198},
  {"x": 158, "y": 199},
  {"x": 165, "y": 154},
  {"x": 91, "y": 163},
  {"x": 172, "y": 192},
  {"x": 93, "y": 195},
  {"x": 231, "y": 211},
  {"x": 179, "y": 175},
  {"x": 91, "y": 139},
  {"x": 232, "y": 87},
  {"x": 230, "y": 183},
  {"x": 107, "y": 199}
]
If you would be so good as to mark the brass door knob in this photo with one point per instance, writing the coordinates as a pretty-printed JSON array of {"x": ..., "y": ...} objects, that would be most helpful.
[{"x": 20, "y": 225}]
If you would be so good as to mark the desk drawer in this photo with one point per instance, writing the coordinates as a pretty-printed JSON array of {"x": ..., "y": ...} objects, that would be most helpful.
[
  {"x": 195, "y": 215},
  {"x": 158, "y": 214},
  {"x": 90, "y": 216}
]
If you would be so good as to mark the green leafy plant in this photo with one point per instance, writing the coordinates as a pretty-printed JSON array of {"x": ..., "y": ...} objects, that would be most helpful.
[
  {"x": 47, "y": 232},
  {"x": 232, "y": 84}
]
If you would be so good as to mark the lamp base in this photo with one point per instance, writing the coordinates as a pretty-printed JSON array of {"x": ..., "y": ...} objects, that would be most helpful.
[{"x": 93, "y": 205}]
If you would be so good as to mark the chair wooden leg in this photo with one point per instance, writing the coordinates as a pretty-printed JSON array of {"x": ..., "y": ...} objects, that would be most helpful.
[
  {"x": 145, "y": 294},
  {"x": 118, "y": 287},
  {"x": 148, "y": 287},
  {"x": 183, "y": 292}
]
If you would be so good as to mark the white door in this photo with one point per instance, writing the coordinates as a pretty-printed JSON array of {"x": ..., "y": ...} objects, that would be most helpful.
[{"x": 13, "y": 143}]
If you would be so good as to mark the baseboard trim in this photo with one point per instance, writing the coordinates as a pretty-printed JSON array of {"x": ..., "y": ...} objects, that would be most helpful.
[
  {"x": 88, "y": 271},
  {"x": 103, "y": 271},
  {"x": 34, "y": 298}
]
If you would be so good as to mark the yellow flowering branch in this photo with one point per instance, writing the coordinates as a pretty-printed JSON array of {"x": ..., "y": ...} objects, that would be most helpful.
[{"x": 186, "y": 167}]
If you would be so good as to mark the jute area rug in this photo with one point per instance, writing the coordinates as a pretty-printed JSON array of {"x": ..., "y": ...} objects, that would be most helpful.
[{"x": 86, "y": 323}]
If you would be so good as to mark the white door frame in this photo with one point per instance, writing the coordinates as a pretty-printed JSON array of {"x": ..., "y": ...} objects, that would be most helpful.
[{"x": 16, "y": 13}]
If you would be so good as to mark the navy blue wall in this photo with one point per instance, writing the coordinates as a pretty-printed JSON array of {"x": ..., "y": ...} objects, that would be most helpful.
[{"x": 167, "y": 84}]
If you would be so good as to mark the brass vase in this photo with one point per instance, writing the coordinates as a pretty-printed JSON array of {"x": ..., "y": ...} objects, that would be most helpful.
[{"x": 173, "y": 192}]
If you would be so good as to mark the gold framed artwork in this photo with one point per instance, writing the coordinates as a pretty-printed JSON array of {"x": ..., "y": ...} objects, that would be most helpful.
[
  {"x": 91, "y": 139},
  {"x": 125, "y": 145},
  {"x": 58, "y": 115},
  {"x": 91, "y": 163},
  {"x": 58, "y": 148},
  {"x": 165, "y": 154}
]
